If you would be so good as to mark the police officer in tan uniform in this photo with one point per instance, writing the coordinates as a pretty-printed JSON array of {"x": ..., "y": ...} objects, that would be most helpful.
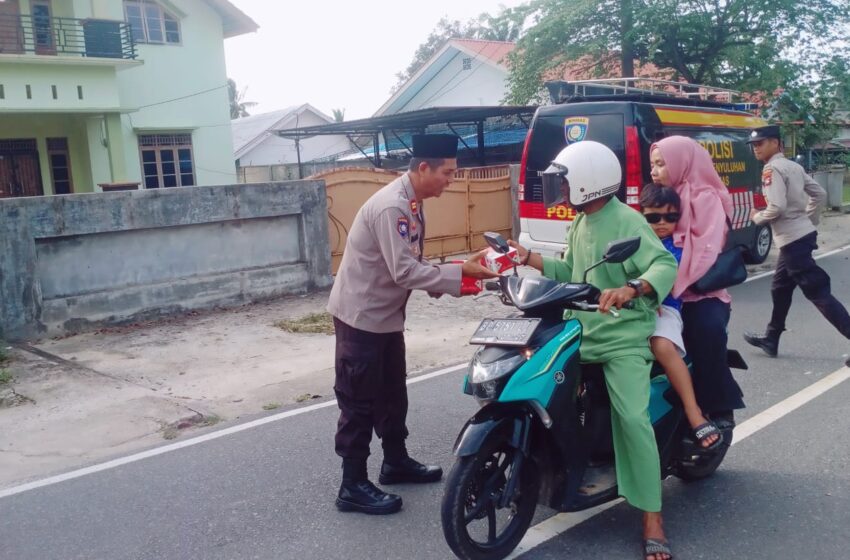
[
  {"x": 793, "y": 211},
  {"x": 381, "y": 264}
]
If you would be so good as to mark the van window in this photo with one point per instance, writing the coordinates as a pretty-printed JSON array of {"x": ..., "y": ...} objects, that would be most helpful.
[{"x": 549, "y": 139}]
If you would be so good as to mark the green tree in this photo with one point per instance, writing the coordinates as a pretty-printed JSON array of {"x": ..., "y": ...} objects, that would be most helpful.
[
  {"x": 808, "y": 110},
  {"x": 238, "y": 106},
  {"x": 339, "y": 115},
  {"x": 754, "y": 44}
]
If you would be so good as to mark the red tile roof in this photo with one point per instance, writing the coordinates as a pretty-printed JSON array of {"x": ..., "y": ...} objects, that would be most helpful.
[{"x": 495, "y": 51}]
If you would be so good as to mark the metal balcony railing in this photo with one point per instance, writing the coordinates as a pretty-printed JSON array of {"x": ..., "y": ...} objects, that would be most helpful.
[{"x": 44, "y": 35}]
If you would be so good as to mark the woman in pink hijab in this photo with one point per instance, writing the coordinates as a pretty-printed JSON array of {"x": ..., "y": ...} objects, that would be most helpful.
[{"x": 683, "y": 164}]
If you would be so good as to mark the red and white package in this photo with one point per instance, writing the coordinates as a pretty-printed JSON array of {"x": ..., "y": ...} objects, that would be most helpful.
[
  {"x": 470, "y": 286},
  {"x": 500, "y": 262}
]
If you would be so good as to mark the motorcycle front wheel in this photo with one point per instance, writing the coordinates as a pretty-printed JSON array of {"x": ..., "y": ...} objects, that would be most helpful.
[{"x": 475, "y": 526}]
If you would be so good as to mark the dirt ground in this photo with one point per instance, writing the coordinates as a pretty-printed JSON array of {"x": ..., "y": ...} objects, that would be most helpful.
[{"x": 82, "y": 399}]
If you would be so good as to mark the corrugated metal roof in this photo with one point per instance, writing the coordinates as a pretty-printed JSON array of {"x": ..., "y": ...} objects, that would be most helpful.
[{"x": 247, "y": 129}]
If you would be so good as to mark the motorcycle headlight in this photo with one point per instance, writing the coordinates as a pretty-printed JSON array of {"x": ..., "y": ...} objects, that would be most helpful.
[{"x": 482, "y": 373}]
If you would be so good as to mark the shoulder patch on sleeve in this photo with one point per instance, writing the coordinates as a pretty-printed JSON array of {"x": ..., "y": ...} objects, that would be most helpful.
[
  {"x": 767, "y": 176},
  {"x": 403, "y": 227}
]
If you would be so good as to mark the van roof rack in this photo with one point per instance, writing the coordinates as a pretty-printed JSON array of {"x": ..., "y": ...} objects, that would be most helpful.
[{"x": 613, "y": 89}]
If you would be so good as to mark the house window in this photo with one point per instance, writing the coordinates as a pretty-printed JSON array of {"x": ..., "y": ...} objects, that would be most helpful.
[
  {"x": 467, "y": 63},
  {"x": 151, "y": 23},
  {"x": 60, "y": 165},
  {"x": 167, "y": 160}
]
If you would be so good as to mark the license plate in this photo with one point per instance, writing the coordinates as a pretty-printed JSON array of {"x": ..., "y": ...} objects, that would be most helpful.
[{"x": 505, "y": 332}]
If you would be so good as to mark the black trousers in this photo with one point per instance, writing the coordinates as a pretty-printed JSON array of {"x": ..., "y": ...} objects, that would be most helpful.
[
  {"x": 371, "y": 391},
  {"x": 706, "y": 338},
  {"x": 796, "y": 267}
]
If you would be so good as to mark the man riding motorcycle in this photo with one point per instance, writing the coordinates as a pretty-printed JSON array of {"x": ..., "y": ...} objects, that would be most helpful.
[{"x": 589, "y": 175}]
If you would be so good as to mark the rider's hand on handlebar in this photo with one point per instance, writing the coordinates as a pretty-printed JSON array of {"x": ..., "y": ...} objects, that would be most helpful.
[
  {"x": 617, "y": 297},
  {"x": 521, "y": 252},
  {"x": 473, "y": 267}
]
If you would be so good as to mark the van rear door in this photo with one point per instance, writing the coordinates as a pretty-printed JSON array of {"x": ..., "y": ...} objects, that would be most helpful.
[{"x": 548, "y": 137}]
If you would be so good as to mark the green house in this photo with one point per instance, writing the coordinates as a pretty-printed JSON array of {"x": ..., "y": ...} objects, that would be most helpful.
[{"x": 110, "y": 94}]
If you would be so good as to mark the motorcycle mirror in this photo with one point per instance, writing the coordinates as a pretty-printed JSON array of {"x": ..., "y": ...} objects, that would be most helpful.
[
  {"x": 496, "y": 242},
  {"x": 620, "y": 250}
]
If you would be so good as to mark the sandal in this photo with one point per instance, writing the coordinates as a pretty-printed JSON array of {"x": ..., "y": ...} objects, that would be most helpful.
[
  {"x": 706, "y": 430},
  {"x": 652, "y": 547}
]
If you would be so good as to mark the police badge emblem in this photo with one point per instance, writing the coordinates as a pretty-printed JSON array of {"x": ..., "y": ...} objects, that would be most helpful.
[
  {"x": 575, "y": 129},
  {"x": 403, "y": 227}
]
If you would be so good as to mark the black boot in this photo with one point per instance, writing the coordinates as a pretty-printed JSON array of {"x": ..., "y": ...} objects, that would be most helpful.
[
  {"x": 769, "y": 341},
  {"x": 408, "y": 470},
  {"x": 358, "y": 494},
  {"x": 365, "y": 497}
]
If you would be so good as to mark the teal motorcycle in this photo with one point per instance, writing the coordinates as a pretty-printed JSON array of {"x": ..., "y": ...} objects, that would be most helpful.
[{"x": 543, "y": 432}]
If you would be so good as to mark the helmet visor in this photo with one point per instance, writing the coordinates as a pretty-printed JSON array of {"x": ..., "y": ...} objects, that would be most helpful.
[{"x": 553, "y": 190}]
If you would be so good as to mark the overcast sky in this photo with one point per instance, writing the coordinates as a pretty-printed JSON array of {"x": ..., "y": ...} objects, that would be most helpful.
[{"x": 335, "y": 54}]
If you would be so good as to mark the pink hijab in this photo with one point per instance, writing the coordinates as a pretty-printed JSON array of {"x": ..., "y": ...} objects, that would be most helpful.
[{"x": 706, "y": 202}]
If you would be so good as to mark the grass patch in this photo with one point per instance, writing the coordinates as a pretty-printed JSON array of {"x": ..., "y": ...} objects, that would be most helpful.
[
  {"x": 846, "y": 197},
  {"x": 314, "y": 323},
  {"x": 271, "y": 406},
  {"x": 210, "y": 420},
  {"x": 5, "y": 376}
]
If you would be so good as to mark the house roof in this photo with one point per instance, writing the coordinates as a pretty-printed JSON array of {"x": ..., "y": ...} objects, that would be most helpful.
[
  {"x": 492, "y": 53},
  {"x": 234, "y": 21},
  {"x": 249, "y": 131}
]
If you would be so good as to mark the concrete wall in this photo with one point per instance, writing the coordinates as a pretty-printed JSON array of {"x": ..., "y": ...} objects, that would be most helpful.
[{"x": 77, "y": 262}]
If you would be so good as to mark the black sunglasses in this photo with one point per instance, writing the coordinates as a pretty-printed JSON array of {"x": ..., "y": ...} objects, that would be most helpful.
[{"x": 655, "y": 217}]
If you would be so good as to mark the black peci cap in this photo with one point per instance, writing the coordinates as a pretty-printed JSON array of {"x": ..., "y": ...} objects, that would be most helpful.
[
  {"x": 437, "y": 146},
  {"x": 765, "y": 132}
]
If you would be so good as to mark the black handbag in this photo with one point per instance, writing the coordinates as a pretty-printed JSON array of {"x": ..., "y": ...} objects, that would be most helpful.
[{"x": 728, "y": 270}]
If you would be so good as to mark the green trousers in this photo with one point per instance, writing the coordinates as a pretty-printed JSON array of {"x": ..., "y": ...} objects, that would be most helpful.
[{"x": 635, "y": 448}]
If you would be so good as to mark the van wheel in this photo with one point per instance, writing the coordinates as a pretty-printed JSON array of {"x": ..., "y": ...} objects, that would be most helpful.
[{"x": 758, "y": 251}]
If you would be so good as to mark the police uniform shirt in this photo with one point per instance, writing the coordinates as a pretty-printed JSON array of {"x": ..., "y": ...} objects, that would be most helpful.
[
  {"x": 383, "y": 261},
  {"x": 793, "y": 200}
]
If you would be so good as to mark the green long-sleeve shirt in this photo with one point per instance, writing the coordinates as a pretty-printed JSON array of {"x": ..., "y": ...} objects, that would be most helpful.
[{"x": 606, "y": 337}]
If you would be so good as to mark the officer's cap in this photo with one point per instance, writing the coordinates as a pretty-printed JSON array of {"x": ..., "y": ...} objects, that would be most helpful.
[
  {"x": 435, "y": 146},
  {"x": 765, "y": 132}
]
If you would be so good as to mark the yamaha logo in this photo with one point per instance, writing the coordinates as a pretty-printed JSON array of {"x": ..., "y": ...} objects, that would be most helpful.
[{"x": 559, "y": 377}]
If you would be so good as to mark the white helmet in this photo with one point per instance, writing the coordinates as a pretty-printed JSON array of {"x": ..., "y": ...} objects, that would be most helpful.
[{"x": 592, "y": 170}]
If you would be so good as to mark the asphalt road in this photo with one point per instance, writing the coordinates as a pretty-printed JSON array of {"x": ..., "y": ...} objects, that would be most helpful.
[{"x": 267, "y": 492}]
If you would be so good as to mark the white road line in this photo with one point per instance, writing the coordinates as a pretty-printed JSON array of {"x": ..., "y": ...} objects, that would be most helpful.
[
  {"x": 562, "y": 522},
  {"x": 266, "y": 420},
  {"x": 196, "y": 440},
  {"x": 816, "y": 257}
]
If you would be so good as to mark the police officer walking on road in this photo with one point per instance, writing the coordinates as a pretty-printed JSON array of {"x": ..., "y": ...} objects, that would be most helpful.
[
  {"x": 793, "y": 210},
  {"x": 381, "y": 264}
]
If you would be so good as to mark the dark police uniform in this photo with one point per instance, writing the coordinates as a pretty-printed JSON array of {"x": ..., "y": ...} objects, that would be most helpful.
[
  {"x": 382, "y": 263},
  {"x": 793, "y": 210}
]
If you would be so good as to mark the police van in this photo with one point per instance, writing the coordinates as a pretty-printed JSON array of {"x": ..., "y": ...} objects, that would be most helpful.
[{"x": 628, "y": 115}]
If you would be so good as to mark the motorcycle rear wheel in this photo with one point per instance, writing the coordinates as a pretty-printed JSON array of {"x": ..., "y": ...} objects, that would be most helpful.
[{"x": 472, "y": 493}]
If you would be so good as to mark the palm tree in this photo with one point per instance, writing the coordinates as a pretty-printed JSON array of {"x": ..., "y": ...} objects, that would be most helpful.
[
  {"x": 238, "y": 106},
  {"x": 339, "y": 115}
]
